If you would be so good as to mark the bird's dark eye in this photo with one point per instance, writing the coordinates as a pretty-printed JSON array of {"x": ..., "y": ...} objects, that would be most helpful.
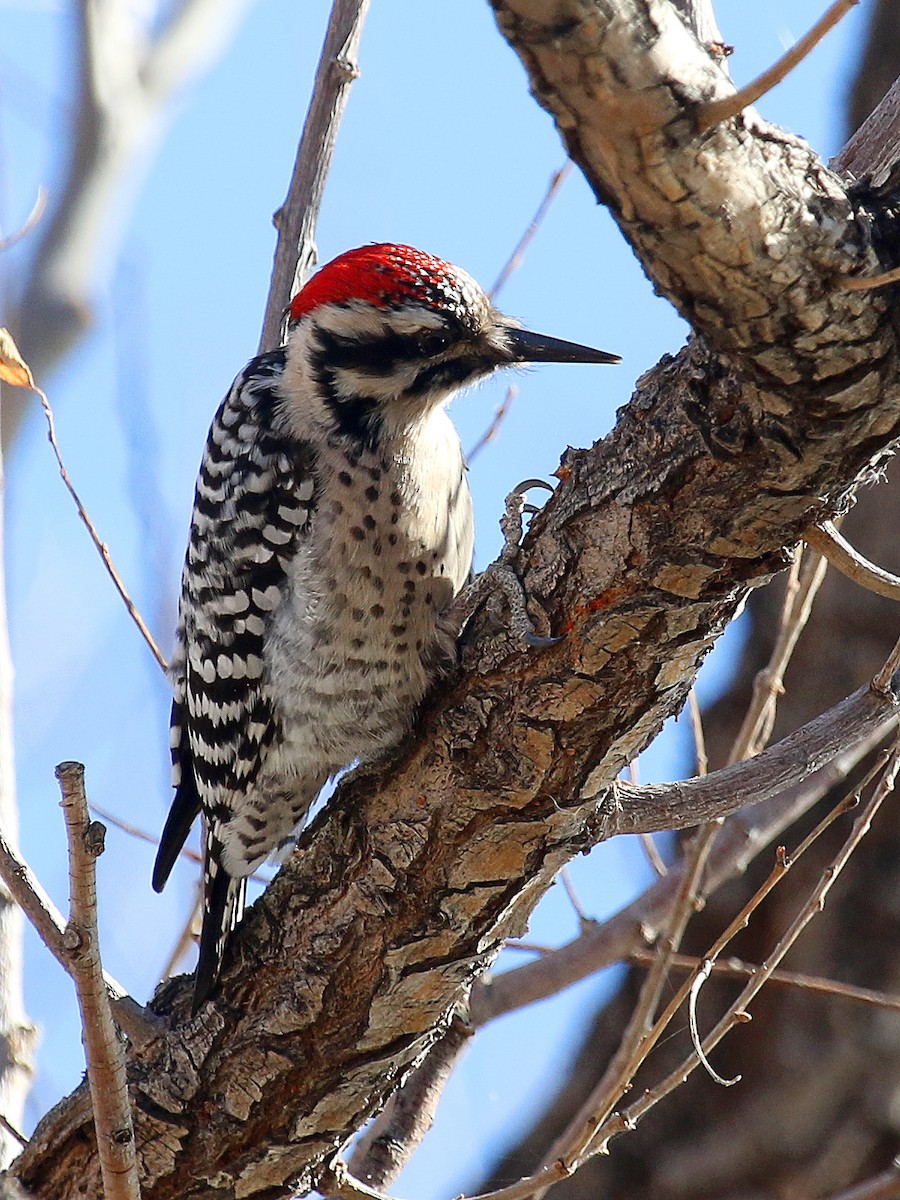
[{"x": 432, "y": 343}]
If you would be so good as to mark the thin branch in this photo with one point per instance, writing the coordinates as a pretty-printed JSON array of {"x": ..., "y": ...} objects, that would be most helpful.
[
  {"x": 641, "y": 1032},
  {"x": 337, "y": 1181},
  {"x": 884, "y": 682},
  {"x": 588, "y": 1133},
  {"x": 828, "y": 542},
  {"x": 630, "y": 1116},
  {"x": 11, "y": 1129},
  {"x": 102, "y": 548},
  {"x": 47, "y": 921},
  {"x": 654, "y": 806},
  {"x": 383, "y": 1151},
  {"x": 186, "y": 937},
  {"x": 104, "y": 1050},
  {"x": 697, "y": 732},
  {"x": 566, "y": 880},
  {"x": 499, "y": 416},
  {"x": 16, "y": 372},
  {"x": 37, "y": 211},
  {"x": 804, "y": 580},
  {"x": 868, "y": 283},
  {"x": 628, "y": 930},
  {"x": 512, "y": 264},
  {"x": 873, "y": 151},
  {"x": 295, "y": 250},
  {"x": 736, "y": 968},
  {"x": 716, "y": 111},
  {"x": 653, "y": 855},
  {"x": 702, "y": 972}
]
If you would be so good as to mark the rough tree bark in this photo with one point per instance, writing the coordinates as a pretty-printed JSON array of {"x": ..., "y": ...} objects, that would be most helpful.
[
  {"x": 402, "y": 892},
  {"x": 816, "y": 1108}
]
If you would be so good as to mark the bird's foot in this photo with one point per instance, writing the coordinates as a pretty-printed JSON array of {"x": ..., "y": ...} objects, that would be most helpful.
[{"x": 501, "y": 577}]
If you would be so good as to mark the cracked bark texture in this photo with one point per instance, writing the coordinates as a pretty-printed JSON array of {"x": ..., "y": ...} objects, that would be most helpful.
[
  {"x": 403, "y": 890},
  {"x": 817, "y": 1106}
]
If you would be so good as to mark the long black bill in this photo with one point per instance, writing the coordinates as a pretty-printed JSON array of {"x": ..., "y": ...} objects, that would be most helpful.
[{"x": 537, "y": 347}]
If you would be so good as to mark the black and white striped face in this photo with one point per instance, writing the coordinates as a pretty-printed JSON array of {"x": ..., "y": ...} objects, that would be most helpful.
[
  {"x": 388, "y": 332},
  {"x": 389, "y": 366}
]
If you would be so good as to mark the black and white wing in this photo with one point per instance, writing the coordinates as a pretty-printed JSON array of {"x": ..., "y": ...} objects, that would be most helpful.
[{"x": 255, "y": 494}]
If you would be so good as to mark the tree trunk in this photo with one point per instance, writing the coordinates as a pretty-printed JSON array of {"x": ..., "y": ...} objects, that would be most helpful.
[{"x": 404, "y": 889}]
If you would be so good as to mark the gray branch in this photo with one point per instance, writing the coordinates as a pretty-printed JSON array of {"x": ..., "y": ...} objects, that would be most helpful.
[{"x": 296, "y": 220}]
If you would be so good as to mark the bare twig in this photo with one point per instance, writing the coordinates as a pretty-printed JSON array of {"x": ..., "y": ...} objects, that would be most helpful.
[
  {"x": 653, "y": 855},
  {"x": 716, "y": 111},
  {"x": 589, "y": 1132},
  {"x": 499, "y": 416},
  {"x": 702, "y": 973},
  {"x": 186, "y": 937},
  {"x": 736, "y": 968},
  {"x": 828, "y": 542},
  {"x": 295, "y": 251},
  {"x": 15, "y": 371},
  {"x": 566, "y": 880},
  {"x": 868, "y": 283},
  {"x": 697, "y": 732},
  {"x": 384, "y": 1150},
  {"x": 50, "y": 927},
  {"x": 512, "y": 264},
  {"x": 638, "y": 1037},
  {"x": 337, "y": 1181},
  {"x": 102, "y": 548},
  {"x": 804, "y": 580},
  {"x": 37, "y": 211},
  {"x": 11, "y": 1129},
  {"x": 104, "y": 1051},
  {"x": 735, "y": 1014}
]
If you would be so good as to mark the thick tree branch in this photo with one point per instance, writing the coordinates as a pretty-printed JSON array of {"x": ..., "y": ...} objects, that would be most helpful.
[{"x": 352, "y": 964}]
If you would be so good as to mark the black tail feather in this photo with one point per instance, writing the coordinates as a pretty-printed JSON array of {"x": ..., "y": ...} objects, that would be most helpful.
[
  {"x": 184, "y": 811},
  {"x": 185, "y": 806},
  {"x": 223, "y": 904}
]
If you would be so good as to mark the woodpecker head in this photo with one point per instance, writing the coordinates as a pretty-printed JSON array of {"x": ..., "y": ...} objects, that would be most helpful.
[{"x": 391, "y": 331}]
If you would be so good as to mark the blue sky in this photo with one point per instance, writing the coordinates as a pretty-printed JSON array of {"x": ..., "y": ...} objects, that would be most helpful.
[{"x": 441, "y": 147}]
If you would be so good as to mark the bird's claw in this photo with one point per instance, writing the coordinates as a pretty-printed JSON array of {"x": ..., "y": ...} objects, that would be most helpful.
[
  {"x": 501, "y": 576},
  {"x": 536, "y": 642}
]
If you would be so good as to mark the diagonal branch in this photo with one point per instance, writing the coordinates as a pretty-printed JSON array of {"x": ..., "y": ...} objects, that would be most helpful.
[{"x": 295, "y": 251}]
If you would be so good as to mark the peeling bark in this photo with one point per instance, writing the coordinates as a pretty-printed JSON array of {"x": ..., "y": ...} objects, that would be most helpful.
[{"x": 402, "y": 892}]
